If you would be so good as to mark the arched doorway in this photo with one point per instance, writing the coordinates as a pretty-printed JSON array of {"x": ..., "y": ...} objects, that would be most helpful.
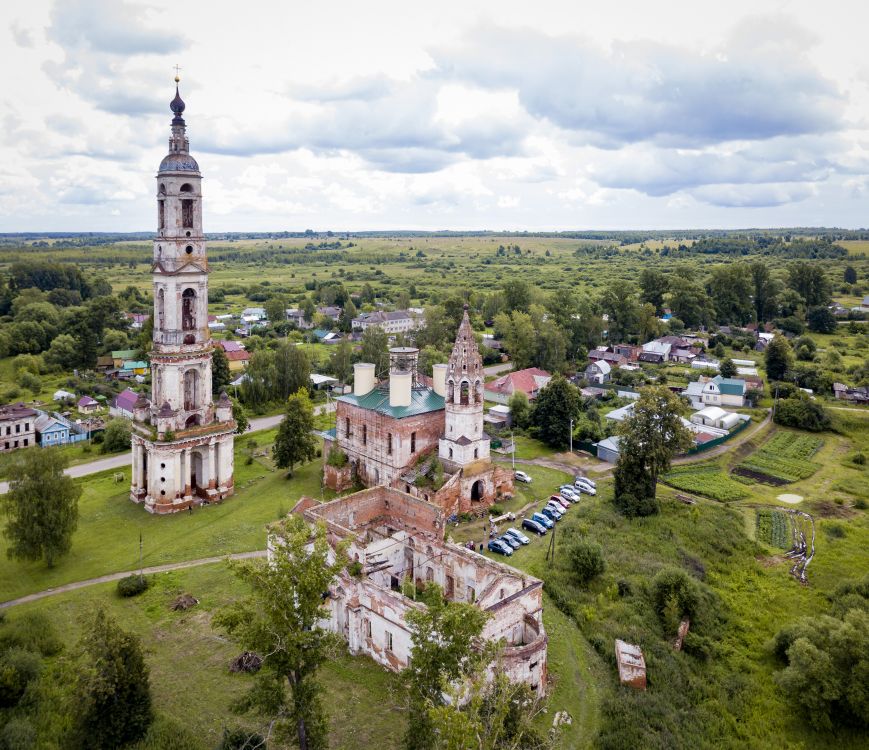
[
  {"x": 197, "y": 480},
  {"x": 477, "y": 491},
  {"x": 191, "y": 386}
]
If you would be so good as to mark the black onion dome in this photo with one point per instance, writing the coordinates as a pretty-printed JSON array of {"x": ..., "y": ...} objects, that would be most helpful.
[{"x": 177, "y": 104}]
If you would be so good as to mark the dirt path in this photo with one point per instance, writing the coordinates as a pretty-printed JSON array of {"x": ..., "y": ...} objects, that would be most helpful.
[{"x": 117, "y": 576}]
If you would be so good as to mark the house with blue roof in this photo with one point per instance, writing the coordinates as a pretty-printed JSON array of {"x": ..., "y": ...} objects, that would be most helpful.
[{"x": 721, "y": 391}]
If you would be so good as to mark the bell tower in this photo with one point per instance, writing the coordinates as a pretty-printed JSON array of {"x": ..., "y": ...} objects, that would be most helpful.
[
  {"x": 464, "y": 441},
  {"x": 182, "y": 440}
]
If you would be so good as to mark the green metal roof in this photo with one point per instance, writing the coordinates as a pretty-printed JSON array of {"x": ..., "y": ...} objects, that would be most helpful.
[
  {"x": 422, "y": 400},
  {"x": 730, "y": 386}
]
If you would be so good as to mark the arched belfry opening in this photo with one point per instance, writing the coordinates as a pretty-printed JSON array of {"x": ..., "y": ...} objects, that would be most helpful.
[
  {"x": 191, "y": 390},
  {"x": 188, "y": 310},
  {"x": 464, "y": 399}
]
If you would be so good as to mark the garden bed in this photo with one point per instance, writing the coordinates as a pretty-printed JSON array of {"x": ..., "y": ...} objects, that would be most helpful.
[
  {"x": 705, "y": 479},
  {"x": 782, "y": 459}
]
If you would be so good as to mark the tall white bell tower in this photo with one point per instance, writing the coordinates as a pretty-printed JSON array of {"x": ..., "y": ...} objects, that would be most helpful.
[{"x": 182, "y": 441}]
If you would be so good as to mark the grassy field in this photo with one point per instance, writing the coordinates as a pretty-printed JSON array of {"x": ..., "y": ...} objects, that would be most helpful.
[
  {"x": 107, "y": 539},
  {"x": 188, "y": 660}
]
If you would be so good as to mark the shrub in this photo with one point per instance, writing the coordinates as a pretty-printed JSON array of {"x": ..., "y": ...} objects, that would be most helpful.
[
  {"x": 132, "y": 585},
  {"x": 18, "y": 734},
  {"x": 116, "y": 436},
  {"x": 18, "y": 668},
  {"x": 859, "y": 459},
  {"x": 803, "y": 414},
  {"x": 675, "y": 595},
  {"x": 631, "y": 506},
  {"x": 31, "y": 632},
  {"x": 495, "y": 510},
  {"x": 586, "y": 561},
  {"x": 166, "y": 734},
  {"x": 337, "y": 458},
  {"x": 240, "y": 739}
]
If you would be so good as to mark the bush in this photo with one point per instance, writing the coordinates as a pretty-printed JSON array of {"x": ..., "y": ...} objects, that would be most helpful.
[
  {"x": 18, "y": 734},
  {"x": 31, "y": 632},
  {"x": 337, "y": 458},
  {"x": 859, "y": 459},
  {"x": 116, "y": 437},
  {"x": 166, "y": 734},
  {"x": 496, "y": 510},
  {"x": 586, "y": 561},
  {"x": 675, "y": 595},
  {"x": 132, "y": 585},
  {"x": 802, "y": 413},
  {"x": 240, "y": 739},
  {"x": 18, "y": 668},
  {"x": 631, "y": 506}
]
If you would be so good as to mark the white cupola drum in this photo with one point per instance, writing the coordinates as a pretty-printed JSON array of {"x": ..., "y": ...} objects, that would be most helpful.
[{"x": 183, "y": 441}]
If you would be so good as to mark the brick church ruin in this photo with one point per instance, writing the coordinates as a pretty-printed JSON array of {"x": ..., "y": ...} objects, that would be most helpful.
[
  {"x": 427, "y": 441},
  {"x": 395, "y": 539}
]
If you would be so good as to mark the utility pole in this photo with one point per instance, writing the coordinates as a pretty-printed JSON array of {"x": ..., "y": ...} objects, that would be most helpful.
[
  {"x": 513, "y": 450},
  {"x": 571, "y": 435},
  {"x": 141, "y": 569}
]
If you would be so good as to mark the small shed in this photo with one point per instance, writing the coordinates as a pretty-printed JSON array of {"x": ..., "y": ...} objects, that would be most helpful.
[
  {"x": 632, "y": 665},
  {"x": 608, "y": 449}
]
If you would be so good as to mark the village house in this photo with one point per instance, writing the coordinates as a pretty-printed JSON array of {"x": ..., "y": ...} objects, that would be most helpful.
[
  {"x": 51, "y": 431},
  {"x": 87, "y": 405},
  {"x": 17, "y": 427},
  {"x": 603, "y": 354},
  {"x": 720, "y": 391},
  {"x": 631, "y": 352},
  {"x": 236, "y": 355},
  {"x": 530, "y": 381},
  {"x": 297, "y": 317},
  {"x": 849, "y": 393},
  {"x": 655, "y": 352},
  {"x": 119, "y": 356},
  {"x": 123, "y": 404},
  {"x": 400, "y": 432},
  {"x": 598, "y": 372},
  {"x": 397, "y": 540},
  {"x": 331, "y": 312}
]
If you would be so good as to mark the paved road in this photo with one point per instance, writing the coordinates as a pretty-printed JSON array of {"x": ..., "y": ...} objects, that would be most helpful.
[
  {"x": 117, "y": 576},
  {"x": 498, "y": 369},
  {"x": 122, "y": 460}
]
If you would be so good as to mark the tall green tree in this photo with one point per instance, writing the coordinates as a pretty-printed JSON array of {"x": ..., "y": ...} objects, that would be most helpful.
[
  {"x": 653, "y": 286},
  {"x": 619, "y": 303},
  {"x": 41, "y": 506},
  {"x": 730, "y": 288},
  {"x": 292, "y": 370},
  {"x": 341, "y": 361},
  {"x": 648, "y": 440},
  {"x": 690, "y": 302},
  {"x": 113, "y": 706},
  {"x": 516, "y": 295},
  {"x": 778, "y": 357},
  {"x": 850, "y": 275},
  {"x": 276, "y": 308},
  {"x": 295, "y": 442},
  {"x": 520, "y": 409},
  {"x": 281, "y": 619},
  {"x": 446, "y": 648},
  {"x": 516, "y": 330},
  {"x": 345, "y": 320},
  {"x": 765, "y": 291},
  {"x": 239, "y": 415},
  {"x": 220, "y": 374},
  {"x": 375, "y": 348},
  {"x": 821, "y": 320},
  {"x": 727, "y": 368},
  {"x": 556, "y": 405},
  {"x": 810, "y": 282}
]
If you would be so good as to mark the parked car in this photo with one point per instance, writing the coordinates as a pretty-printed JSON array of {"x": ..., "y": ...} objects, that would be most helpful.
[
  {"x": 543, "y": 520},
  {"x": 582, "y": 485},
  {"x": 502, "y": 548},
  {"x": 507, "y": 539},
  {"x": 516, "y": 534},
  {"x": 563, "y": 502},
  {"x": 521, "y": 476},
  {"x": 585, "y": 480},
  {"x": 551, "y": 513},
  {"x": 569, "y": 492},
  {"x": 531, "y": 525}
]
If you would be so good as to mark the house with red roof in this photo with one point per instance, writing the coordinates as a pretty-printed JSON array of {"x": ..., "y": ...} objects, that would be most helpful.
[
  {"x": 237, "y": 355},
  {"x": 529, "y": 381}
]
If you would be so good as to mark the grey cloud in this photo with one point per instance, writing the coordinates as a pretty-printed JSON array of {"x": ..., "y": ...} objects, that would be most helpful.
[
  {"x": 23, "y": 37},
  {"x": 753, "y": 196},
  {"x": 110, "y": 26},
  {"x": 647, "y": 91}
]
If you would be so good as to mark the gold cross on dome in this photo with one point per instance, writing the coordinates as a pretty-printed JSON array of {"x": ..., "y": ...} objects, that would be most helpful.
[{"x": 177, "y": 71}]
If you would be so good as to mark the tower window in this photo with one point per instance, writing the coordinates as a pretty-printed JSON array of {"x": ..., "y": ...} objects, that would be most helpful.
[
  {"x": 161, "y": 215},
  {"x": 188, "y": 310},
  {"x": 413, "y": 442},
  {"x": 464, "y": 393},
  {"x": 188, "y": 249},
  {"x": 389, "y": 443},
  {"x": 365, "y": 434},
  {"x": 186, "y": 188},
  {"x": 162, "y": 190},
  {"x": 187, "y": 212},
  {"x": 347, "y": 427}
]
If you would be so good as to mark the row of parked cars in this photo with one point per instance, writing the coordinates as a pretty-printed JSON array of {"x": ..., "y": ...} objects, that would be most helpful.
[{"x": 546, "y": 518}]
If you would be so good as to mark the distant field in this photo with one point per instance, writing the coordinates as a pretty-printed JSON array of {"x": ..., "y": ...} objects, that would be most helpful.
[{"x": 856, "y": 247}]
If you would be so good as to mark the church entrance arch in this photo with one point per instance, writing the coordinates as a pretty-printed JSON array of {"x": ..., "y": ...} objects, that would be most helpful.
[
  {"x": 477, "y": 491},
  {"x": 197, "y": 478}
]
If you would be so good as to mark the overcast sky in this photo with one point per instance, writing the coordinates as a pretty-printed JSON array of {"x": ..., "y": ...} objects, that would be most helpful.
[{"x": 449, "y": 115}]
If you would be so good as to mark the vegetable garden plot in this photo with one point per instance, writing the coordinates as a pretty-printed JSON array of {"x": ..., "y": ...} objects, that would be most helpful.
[
  {"x": 705, "y": 479},
  {"x": 773, "y": 528},
  {"x": 782, "y": 459}
]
